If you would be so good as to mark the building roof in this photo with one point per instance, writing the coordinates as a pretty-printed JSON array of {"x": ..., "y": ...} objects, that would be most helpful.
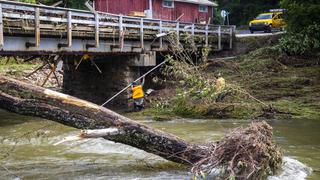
[{"x": 203, "y": 2}]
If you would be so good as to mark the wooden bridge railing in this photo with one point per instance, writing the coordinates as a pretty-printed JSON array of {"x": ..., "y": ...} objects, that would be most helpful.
[{"x": 38, "y": 20}]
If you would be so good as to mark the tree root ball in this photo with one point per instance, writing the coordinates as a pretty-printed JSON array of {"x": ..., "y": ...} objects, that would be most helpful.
[{"x": 244, "y": 153}]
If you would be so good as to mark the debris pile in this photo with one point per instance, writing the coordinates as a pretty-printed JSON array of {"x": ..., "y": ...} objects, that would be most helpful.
[{"x": 245, "y": 153}]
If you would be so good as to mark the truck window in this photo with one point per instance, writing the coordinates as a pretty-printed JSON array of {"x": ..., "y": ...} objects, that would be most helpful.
[{"x": 264, "y": 16}]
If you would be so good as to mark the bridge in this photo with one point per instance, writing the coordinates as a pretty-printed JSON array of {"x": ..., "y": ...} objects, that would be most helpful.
[
  {"x": 44, "y": 29},
  {"x": 30, "y": 29}
]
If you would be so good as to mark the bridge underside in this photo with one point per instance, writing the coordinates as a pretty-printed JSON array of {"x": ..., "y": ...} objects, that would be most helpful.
[
  {"x": 19, "y": 46},
  {"x": 87, "y": 82}
]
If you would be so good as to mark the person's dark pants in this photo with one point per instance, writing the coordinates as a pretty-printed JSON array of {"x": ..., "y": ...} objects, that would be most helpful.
[
  {"x": 222, "y": 95},
  {"x": 138, "y": 104}
]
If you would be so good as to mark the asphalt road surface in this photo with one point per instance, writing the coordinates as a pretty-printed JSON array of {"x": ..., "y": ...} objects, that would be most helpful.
[{"x": 247, "y": 33}]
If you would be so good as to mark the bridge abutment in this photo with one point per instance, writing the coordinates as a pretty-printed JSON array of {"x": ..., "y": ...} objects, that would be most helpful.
[{"x": 86, "y": 82}]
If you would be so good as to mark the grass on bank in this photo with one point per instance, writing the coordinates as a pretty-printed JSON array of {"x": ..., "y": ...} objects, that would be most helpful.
[{"x": 13, "y": 68}]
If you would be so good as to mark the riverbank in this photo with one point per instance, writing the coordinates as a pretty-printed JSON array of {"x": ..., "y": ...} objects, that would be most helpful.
[
  {"x": 290, "y": 86},
  {"x": 25, "y": 71}
]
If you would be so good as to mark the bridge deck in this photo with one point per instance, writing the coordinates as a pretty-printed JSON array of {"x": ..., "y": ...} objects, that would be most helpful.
[{"x": 44, "y": 29}]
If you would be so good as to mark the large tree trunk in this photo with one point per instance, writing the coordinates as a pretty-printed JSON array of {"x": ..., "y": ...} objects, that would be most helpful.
[{"x": 26, "y": 99}]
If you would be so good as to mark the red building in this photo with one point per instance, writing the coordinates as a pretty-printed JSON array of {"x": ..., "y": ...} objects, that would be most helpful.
[{"x": 182, "y": 10}]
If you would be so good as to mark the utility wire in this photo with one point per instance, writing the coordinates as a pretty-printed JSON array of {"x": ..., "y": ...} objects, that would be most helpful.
[{"x": 134, "y": 81}]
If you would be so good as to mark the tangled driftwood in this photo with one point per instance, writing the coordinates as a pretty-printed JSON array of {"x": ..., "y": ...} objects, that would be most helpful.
[{"x": 245, "y": 153}]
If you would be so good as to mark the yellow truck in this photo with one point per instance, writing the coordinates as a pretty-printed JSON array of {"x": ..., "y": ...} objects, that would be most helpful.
[{"x": 268, "y": 21}]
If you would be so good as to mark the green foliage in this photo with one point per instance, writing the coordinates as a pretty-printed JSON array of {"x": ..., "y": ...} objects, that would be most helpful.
[
  {"x": 241, "y": 12},
  {"x": 75, "y": 4},
  {"x": 195, "y": 91},
  {"x": 217, "y": 17},
  {"x": 301, "y": 14},
  {"x": 303, "y": 20},
  {"x": 28, "y": 1},
  {"x": 305, "y": 42},
  {"x": 196, "y": 85}
]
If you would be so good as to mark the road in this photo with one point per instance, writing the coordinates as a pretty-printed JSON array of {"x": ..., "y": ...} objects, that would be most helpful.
[{"x": 247, "y": 33}]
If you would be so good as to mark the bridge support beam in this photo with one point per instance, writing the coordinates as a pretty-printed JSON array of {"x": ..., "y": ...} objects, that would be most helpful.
[{"x": 86, "y": 82}]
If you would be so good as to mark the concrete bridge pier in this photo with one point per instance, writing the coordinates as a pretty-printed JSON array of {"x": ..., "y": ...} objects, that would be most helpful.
[{"x": 117, "y": 71}]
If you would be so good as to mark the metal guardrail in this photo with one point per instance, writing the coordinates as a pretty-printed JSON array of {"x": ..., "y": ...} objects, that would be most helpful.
[{"x": 42, "y": 19}]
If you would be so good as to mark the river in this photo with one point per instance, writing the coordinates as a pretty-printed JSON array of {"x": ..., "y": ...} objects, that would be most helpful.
[{"x": 27, "y": 150}]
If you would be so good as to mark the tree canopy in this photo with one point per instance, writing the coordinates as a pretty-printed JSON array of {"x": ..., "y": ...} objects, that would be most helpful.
[
  {"x": 77, "y": 4},
  {"x": 301, "y": 13},
  {"x": 303, "y": 19},
  {"x": 242, "y": 11}
]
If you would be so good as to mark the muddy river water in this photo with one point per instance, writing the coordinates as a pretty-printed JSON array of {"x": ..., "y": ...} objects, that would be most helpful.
[{"x": 27, "y": 150}]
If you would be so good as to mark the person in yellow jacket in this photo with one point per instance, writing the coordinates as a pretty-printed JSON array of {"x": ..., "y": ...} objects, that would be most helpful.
[
  {"x": 220, "y": 88},
  {"x": 138, "y": 95},
  {"x": 220, "y": 83}
]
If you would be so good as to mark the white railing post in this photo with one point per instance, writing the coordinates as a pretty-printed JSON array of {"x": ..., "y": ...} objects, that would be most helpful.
[
  {"x": 1, "y": 28},
  {"x": 160, "y": 31},
  {"x": 37, "y": 26},
  {"x": 141, "y": 34},
  {"x": 192, "y": 29},
  {"x": 178, "y": 32},
  {"x": 207, "y": 36},
  {"x": 121, "y": 33},
  {"x": 192, "y": 37},
  {"x": 69, "y": 26},
  {"x": 97, "y": 29}
]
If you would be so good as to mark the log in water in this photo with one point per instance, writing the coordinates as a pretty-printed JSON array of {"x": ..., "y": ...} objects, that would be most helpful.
[{"x": 26, "y": 99}]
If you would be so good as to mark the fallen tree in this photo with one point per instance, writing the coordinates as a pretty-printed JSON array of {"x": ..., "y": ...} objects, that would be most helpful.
[{"x": 27, "y": 99}]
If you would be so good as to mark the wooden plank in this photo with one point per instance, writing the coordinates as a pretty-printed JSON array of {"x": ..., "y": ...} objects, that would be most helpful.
[
  {"x": 88, "y": 22},
  {"x": 69, "y": 26},
  {"x": 160, "y": 39},
  {"x": 121, "y": 33},
  {"x": 192, "y": 29},
  {"x": 207, "y": 38},
  {"x": 48, "y": 18},
  {"x": 178, "y": 32},
  {"x": 37, "y": 27},
  {"x": 141, "y": 34},
  {"x": 97, "y": 35},
  {"x": 137, "y": 14}
]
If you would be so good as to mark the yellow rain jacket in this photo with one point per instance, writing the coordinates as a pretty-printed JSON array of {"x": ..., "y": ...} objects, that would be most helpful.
[
  {"x": 137, "y": 92},
  {"x": 220, "y": 84}
]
